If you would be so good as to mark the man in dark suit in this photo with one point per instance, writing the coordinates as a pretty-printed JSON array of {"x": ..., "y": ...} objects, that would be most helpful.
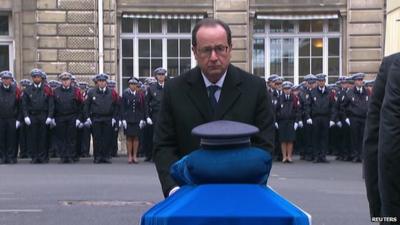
[
  {"x": 370, "y": 143},
  {"x": 214, "y": 90}
]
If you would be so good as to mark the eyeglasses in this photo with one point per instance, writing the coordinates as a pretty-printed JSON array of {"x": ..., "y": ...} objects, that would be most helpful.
[{"x": 207, "y": 51}]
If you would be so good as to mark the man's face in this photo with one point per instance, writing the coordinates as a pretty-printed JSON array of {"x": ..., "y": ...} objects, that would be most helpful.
[
  {"x": 278, "y": 86},
  {"x": 7, "y": 81},
  {"x": 287, "y": 91},
  {"x": 102, "y": 83},
  {"x": 37, "y": 79},
  {"x": 213, "y": 54},
  {"x": 66, "y": 83},
  {"x": 321, "y": 83},
  {"x": 160, "y": 78},
  {"x": 358, "y": 82},
  {"x": 343, "y": 85}
]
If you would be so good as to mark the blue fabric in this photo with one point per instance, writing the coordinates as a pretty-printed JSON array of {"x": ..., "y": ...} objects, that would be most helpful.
[
  {"x": 225, "y": 204},
  {"x": 242, "y": 165}
]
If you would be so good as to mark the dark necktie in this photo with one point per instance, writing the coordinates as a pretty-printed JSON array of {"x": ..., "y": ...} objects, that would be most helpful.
[{"x": 213, "y": 101}]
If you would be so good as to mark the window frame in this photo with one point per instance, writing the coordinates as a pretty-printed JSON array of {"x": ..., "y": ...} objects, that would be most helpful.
[
  {"x": 325, "y": 35},
  {"x": 7, "y": 40}
]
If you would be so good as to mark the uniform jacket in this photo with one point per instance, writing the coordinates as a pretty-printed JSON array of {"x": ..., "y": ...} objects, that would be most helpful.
[
  {"x": 101, "y": 106},
  {"x": 10, "y": 101},
  {"x": 68, "y": 103},
  {"x": 321, "y": 104},
  {"x": 133, "y": 106},
  {"x": 153, "y": 98},
  {"x": 355, "y": 104},
  {"x": 186, "y": 105},
  {"x": 288, "y": 109},
  {"x": 370, "y": 143},
  {"x": 38, "y": 102}
]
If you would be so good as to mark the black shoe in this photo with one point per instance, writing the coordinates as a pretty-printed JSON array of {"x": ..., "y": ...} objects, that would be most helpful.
[
  {"x": 323, "y": 160},
  {"x": 106, "y": 161},
  {"x": 148, "y": 160},
  {"x": 96, "y": 161},
  {"x": 12, "y": 161},
  {"x": 357, "y": 160},
  {"x": 302, "y": 157}
]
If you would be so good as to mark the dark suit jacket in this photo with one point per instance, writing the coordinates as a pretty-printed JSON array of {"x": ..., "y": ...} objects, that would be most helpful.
[
  {"x": 370, "y": 143},
  {"x": 185, "y": 105},
  {"x": 389, "y": 145}
]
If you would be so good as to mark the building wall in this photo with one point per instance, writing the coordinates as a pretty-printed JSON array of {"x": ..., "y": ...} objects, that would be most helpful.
[{"x": 392, "y": 42}]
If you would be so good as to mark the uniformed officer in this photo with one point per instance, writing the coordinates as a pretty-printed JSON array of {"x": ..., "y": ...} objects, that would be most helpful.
[
  {"x": 67, "y": 111},
  {"x": 10, "y": 96},
  {"x": 23, "y": 130},
  {"x": 153, "y": 99},
  {"x": 287, "y": 115},
  {"x": 369, "y": 85},
  {"x": 321, "y": 115},
  {"x": 38, "y": 111},
  {"x": 53, "y": 150},
  {"x": 276, "y": 94},
  {"x": 356, "y": 105},
  {"x": 114, "y": 146},
  {"x": 101, "y": 111},
  {"x": 133, "y": 112},
  {"x": 83, "y": 133}
]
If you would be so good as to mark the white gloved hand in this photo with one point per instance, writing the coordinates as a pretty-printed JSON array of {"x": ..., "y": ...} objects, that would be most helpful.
[
  {"x": 149, "y": 121},
  {"x": 142, "y": 124},
  {"x": 276, "y": 125},
  {"x": 17, "y": 124},
  {"x": 173, "y": 190},
  {"x": 88, "y": 122},
  {"x": 309, "y": 121},
  {"x": 27, "y": 121},
  {"x": 295, "y": 126},
  {"x": 348, "y": 121},
  {"x": 80, "y": 126},
  {"x": 331, "y": 123},
  {"x": 124, "y": 124},
  {"x": 120, "y": 123},
  {"x": 113, "y": 122},
  {"x": 300, "y": 124},
  {"x": 339, "y": 124},
  {"x": 53, "y": 123},
  {"x": 77, "y": 123},
  {"x": 48, "y": 121}
]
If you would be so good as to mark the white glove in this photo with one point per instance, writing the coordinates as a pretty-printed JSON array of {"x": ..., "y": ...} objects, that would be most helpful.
[
  {"x": 149, "y": 121},
  {"x": 309, "y": 121},
  {"x": 17, "y": 124},
  {"x": 77, "y": 123},
  {"x": 88, "y": 122},
  {"x": 300, "y": 124},
  {"x": 331, "y": 123},
  {"x": 125, "y": 124},
  {"x": 295, "y": 126},
  {"x": 120, "y": 123},
  {"x": 48, "y": 121},
  {"x": 339, "y": 124},
  {"x": 276, "y": 125},
  {"x": 347, "y": 121},
  {"x": 113, "y": 122},
  {"x": 142, "y": 124},
  {"x": 53, "y": 123},
  {"x": 173, "y": 190},
  {"x": 27, "y": 121},
  {"x": 80, "y": 126}
]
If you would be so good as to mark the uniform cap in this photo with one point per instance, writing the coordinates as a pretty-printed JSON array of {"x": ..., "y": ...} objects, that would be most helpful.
[
  {"x": 37, "y": 73},
  {"x": 369, "y": 82},
  {"x": 83, "y": 85},
  {"x": 224, "y": 133},
  {"x": 272, "y": 77},
  {"x": 6, "y": 74},
  {"x": 358, "y": 76},
  {"x": 133, "y": 81},
  {"x": 321, "y": 77},
  {"x": 54, "y": 83},
  {"x": 25, "y": 82},
  {"x": 278, "y": 79},
  {"x": 65, "y": 76},
  {"x": 101, "y": 76},
  {"x": 287, "y": 84},
  {"x": 160, "y": 71}
]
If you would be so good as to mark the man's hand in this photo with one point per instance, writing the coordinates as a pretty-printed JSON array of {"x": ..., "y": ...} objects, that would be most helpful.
[
  {"x": 88, "y": 122},
  {"x": 296, "y": 125},
  {"x": 149, "y": 121},
  {"x": 301, "y": 124},
  {"x": 142, "y": 124},
  {"x": 309, "y": 121},
  {"x": 124, "y": 124},
  {"x": 331, "y": 123},
  {"x": 276, "y": 125},
  {"x": 17, "y": 124},
  {"x": 48, "y": 121},
  {"x": 347, "y": 121},
  {"x": 27, "y": 121}
]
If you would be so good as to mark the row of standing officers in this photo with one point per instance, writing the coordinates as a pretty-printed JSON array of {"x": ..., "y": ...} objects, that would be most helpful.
[{"x": 46, "y": 119}]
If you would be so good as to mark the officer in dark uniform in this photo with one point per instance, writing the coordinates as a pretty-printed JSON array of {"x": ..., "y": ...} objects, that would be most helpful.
[
  {"x": 356, "y": 106},
  {"x": 101, "y": 107},
  {"x": 52, "y": 134},
  {"x": 67, "y": 110},
  {"x": 23, "y": 130},
  {"x": 38, "y": 110},
  {"x": 83, "y": 132},
  {"x": 320, "y": 114},
  {"x": 114, "y": 146},
  {"x": 304, "y": 97},
  {"x": 153, "y": 99},
  {"x": 369, "y": 85},
  {"x": 10, "y": 97},
  {"x": 276, "y": 94}
]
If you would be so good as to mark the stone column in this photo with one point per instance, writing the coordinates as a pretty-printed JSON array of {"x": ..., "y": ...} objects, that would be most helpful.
[{"x": 236, "y": 14}]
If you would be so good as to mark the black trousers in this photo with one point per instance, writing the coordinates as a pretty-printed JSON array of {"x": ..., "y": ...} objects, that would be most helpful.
[
  {"x": 320, "y": 136},
  {"x": 83, "y": 142},
  {"x": 24, "y": 150},
  {"x": 52, "y": 143},
  {"x": 299, "y": 145},
  {"x": 308, "y": 140},
  {"x": 8, "y": 139},
  {"x": 114, "y": 144},
  {"x": 102, "y": 139},
  {"x": 357, "y": 131},
  {"x": 148, "y": 141},
  {"x": 344, "y": 141},
  {"x": 66, "y": 138},
  {"x": 37, "y": 139}
]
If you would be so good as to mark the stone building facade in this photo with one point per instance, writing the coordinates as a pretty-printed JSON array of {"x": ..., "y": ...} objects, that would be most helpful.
[{"x": 290, "y": 37}]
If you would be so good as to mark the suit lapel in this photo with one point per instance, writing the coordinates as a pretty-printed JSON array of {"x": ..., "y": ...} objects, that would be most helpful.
[
  {"x": 198, "y": 94},
  {"x": 230, "y": 92}
]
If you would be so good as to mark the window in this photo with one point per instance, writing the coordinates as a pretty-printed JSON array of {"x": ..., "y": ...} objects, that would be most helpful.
[
  {"x": 148, "y": 43},
  {"x": 295, "y": 48},
  {"x": 6, "y": 43}
]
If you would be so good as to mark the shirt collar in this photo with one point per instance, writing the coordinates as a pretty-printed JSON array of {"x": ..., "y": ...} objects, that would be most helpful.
[
  {"x": 219, "y": 83},
  {"x": 6, "y": 87},
  {"x": 37, "y": 85}
]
